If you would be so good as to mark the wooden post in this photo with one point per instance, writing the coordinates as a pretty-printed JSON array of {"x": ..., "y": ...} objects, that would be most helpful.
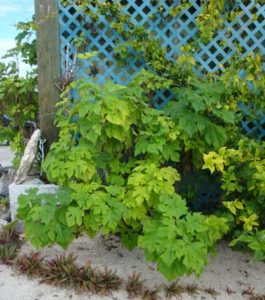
[{"x": 49, "y": 68}]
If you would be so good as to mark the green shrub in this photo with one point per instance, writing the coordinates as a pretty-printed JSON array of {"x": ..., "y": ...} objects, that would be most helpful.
[
  {"x": 243, "y": 180},
  {"x": 115, "y": 158},
  {"x": 120, "y": 162}
]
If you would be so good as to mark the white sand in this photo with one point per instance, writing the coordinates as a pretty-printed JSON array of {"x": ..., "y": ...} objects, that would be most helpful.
[{"x": 228, "y": 268}]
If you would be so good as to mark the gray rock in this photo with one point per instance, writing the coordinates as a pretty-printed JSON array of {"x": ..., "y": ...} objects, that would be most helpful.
[
  {"x": 33, "y": 181},
  {"x": 28, "y": 157}
]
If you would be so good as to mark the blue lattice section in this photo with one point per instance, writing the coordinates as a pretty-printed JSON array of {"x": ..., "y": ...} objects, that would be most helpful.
[
  {"x": 248, "y": 30},
  {"x": 254, "y": 126},
  {"x": 173, "y": 33}
]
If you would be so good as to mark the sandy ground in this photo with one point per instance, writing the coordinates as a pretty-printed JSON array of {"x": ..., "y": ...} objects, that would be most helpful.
[{"x": 228, "y": 269}]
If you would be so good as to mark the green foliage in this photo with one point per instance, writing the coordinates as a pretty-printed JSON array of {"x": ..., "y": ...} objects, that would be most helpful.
[
  {"x": 255, "y": 241},
  {"x": 179, "y": 240},
  {"x": 243, "y": 180},
  {"x": 18, "y": 95},
  {"x": 248, "y": 88},
  {"x": 4, "y": 203},
  {"x": 213, "y": 16},
  {"x": 204, "y": 112},
  {"x": 25, "y": 43},
  {"x": 115, "y": 155},
  {"x": 18, "y": 100},
  {"x": 45, "y": 218},
  {"x": 7, "y": 69},
  {"x": 120, "y": 162}
]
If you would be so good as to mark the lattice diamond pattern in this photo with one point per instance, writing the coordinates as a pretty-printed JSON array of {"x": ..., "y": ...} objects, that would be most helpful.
[
  {"x": 173, "y": 32},
  {"x": 253, "y": 127}
]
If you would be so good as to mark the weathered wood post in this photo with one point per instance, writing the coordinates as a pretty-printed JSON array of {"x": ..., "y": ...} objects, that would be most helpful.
[{"x": 49, "y": 70}]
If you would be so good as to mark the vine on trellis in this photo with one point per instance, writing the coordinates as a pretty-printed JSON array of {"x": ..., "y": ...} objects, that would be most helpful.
[{"x": 129, "y": 42}]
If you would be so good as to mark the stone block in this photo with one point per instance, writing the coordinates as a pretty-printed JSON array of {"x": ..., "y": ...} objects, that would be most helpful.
[{"x": 15, "y": 190}]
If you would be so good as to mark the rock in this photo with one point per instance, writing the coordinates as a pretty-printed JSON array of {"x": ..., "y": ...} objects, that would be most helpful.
[
  {"x": 33, "y": 181},
  {"x": 28, "y": 157}
]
